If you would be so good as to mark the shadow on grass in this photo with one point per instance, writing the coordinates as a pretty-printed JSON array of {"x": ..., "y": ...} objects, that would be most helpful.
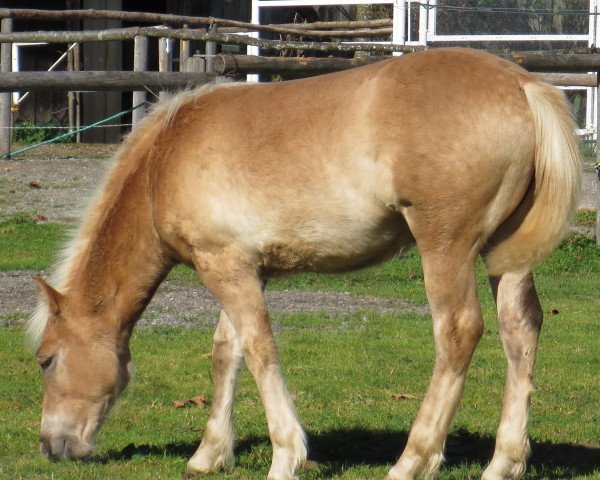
[{"x": 336, "y": 451}]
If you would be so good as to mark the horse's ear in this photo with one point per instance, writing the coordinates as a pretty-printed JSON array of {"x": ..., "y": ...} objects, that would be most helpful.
[{"x": 52, "y": 296}]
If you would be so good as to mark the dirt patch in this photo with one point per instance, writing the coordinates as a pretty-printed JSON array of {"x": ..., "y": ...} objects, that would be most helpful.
[
  {"x": 185, "y": 306},
  {"x": 57, "y": 187},
  {"x": 588, "y": 190}
]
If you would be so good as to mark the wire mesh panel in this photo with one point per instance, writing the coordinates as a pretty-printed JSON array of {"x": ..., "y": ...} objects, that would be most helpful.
[
  {"x": 512, "y": 17},
  {"x": 511, "y": 24}
]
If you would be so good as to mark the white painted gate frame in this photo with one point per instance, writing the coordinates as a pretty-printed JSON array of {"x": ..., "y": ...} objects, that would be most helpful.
[{"x": 427, "y": 34}]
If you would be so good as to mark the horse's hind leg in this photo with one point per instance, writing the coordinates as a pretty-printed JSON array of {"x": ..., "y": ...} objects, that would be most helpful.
[
  {"x": 216, "y": 449},
  {"x": 520, "y": 321},
  {"x": 457, "y": 324},
  {"x": 232, "y": 278}
]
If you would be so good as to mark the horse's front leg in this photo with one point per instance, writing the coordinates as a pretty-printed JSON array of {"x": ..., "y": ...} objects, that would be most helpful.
[
  {"x": 232, "y": 278},
  {"x": 520, "y": 320},
  {"x": 216, "y": 449},
  {"x": 457, "y": 324}
]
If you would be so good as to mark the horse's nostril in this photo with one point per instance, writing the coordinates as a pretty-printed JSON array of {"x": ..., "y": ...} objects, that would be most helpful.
[
  {"x": 51, "y": 447},
  {"x": 75, "y": 449}
]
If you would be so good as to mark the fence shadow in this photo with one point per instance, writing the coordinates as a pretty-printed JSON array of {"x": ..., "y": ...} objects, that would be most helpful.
[{"x": 336, "y": 450}]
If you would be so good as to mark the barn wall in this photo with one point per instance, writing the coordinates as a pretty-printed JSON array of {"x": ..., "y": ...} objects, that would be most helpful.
[
  {"x": 40, "y": 107},
  {"x": 101, "y": 56}
]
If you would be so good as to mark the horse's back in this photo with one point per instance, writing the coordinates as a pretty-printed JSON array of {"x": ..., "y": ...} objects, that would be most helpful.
[{"x": 323, "y": 173}]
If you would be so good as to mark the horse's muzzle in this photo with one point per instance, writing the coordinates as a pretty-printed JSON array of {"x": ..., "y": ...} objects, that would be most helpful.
[{"x": 63, "y": 447}]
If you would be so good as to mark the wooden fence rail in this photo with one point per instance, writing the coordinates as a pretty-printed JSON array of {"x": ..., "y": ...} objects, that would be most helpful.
[
  {"x": 382, "y": 26},
  {"x": 226, "y": 64},
  {"x": 536, "y": 61},
  {"x": 101, "y": 81},
  {"x": 159, "y": 81},
  {"x": 187, "y": 34}
]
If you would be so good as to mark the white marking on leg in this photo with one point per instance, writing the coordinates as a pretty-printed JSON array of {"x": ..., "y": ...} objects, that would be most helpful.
[
  {"x": 520, "y": 319},
  {"x": 216, "y": 448}
]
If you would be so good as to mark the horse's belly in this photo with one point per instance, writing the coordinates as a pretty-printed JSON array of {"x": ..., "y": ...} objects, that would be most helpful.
[{"x": 336, "y": 248}]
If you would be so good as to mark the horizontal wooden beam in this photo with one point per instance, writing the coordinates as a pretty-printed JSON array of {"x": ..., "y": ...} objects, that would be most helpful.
[
  {"x": 140, "y": 81},
  {"x": 178, "y": 20},
  {"x": 248, "y": 64},
  {"x": 224, "y": 64},
  {"x": 100, "y": 81},
  {"x": 555, "y": 61},
  {"x": 568, "y": 79},
  {"x": 188, "y": 34}
]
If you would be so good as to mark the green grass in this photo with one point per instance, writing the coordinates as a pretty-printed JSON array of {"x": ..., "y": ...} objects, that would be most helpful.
[
  {"x": 588, "y": 153},
  {"x": 342, "y": 371},
  {"x": 27, "y": 245}
]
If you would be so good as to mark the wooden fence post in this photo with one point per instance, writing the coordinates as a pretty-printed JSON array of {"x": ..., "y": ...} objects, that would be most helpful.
[
  {"x": 140, "y": 64},
  {"x": 71, "y": 101},
  {"x": 165, "y": 56},
  {"x": 184, "y": 53},
  {"x": 77, "y": 68},
  {"x": 597, "y": 168},
  {"x": 597, "y": 205},
  {"x": 211, "y": 49},
  {"x": 5, "y": 98},
  {"x": 196, "y": 64}
]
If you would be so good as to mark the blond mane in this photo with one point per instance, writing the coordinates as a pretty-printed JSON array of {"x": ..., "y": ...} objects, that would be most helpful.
[{"x": 124, "y": 162}]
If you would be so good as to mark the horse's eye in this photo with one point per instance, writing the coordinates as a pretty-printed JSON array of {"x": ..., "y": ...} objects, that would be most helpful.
[{"x": 45, "y": 362}]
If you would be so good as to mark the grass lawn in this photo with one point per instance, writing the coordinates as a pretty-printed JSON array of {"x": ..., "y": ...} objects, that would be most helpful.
[{"x": 343, "y": 372}]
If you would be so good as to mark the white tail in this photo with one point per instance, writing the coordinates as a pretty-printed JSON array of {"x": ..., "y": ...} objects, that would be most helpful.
[{"x": 557, "y": 183}]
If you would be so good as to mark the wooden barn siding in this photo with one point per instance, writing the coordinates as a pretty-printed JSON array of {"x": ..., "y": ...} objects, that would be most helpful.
[
  {"x": 39, "y": 108},
  {"x": 101, "y": 56},
  {"x": 42, "y": 107}
]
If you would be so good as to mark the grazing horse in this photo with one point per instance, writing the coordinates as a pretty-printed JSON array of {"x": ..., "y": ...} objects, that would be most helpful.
[{"x": 457, "y": 151}]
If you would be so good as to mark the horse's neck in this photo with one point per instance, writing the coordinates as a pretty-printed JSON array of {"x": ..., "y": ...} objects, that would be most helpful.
[{"x": 124, "y": 262}]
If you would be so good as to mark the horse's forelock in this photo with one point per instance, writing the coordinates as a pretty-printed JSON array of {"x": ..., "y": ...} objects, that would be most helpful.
[{"x": 37, "y": 324}]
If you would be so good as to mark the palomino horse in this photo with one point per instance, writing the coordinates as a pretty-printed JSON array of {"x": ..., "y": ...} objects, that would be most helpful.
[{"x": 457, "y": 151}]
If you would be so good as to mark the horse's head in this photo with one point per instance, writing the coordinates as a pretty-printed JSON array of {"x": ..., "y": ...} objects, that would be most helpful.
[{"x": 85, "y": 366}]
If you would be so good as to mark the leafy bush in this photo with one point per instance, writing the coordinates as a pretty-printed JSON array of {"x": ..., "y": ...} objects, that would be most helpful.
[{"x": 29, "y": 132}]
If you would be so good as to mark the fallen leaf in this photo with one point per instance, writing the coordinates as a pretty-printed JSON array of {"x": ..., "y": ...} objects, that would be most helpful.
[
  {"x": 403, "y": 396},
  {"x": 554, "y": 311},
  {"x": 35, "y": 184},
  {"x": 198, "y": 400}
]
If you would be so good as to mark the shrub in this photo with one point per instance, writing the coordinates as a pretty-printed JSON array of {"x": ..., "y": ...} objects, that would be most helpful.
[{"x": 29, "y": 132}]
